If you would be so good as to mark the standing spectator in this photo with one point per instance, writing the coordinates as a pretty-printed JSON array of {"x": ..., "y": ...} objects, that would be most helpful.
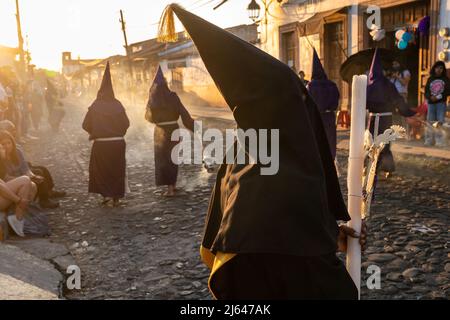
[
  {"x": 37, "y": 102},
  {"x": 301, "y": 74},
  {"x": 6, "y": 98},
  {"x": 56, "y": 111},
  {"x": 20, "y": 103},
  {"x": 3, "y": 99},
  {"x": 26, "y": 108},
  {"x": 400, "y": 77},
  {"x": 437, "y": 90},
  {"x": 12, "y": 112}
]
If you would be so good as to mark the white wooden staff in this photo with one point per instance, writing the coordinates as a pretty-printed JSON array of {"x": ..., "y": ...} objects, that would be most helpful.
[{"x": 355, "y": 175}]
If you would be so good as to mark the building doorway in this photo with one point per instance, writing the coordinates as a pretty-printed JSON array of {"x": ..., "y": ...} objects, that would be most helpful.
[
  {"x": 334, "y": 54},
  {"x": 177, "y": 80},
  {"x": 289, "y": 49}
]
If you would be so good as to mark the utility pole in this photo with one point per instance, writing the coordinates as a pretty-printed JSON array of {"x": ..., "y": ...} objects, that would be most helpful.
[
  {"x": 20, "y": 38},
  {"x": 28, "y": 56},
  {"x": 127, "y": 49}
]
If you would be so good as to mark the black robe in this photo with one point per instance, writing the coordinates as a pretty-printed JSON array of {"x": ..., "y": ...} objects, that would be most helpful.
[
  {"x": 382, "y": 96},
  {"x": 325, "y": 94},
  {"x": 268, "y": 227},
  {"x": 295, "y": 260},
  {"x": 396, "y": 104},
  {"x": 166, "y": 170},
  {"x": 107, "y": 119}
]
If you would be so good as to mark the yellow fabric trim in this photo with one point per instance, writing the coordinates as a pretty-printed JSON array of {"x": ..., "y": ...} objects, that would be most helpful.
[
  {"x": 214, "y": 262},
  {"x": 207, "y": 257},
  {"x": 220, "y": 260}
]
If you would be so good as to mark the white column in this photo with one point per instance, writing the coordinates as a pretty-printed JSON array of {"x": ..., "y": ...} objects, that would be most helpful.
[
  {"x": 444, "y": 22},
  {"x": 353, "y": 25}
]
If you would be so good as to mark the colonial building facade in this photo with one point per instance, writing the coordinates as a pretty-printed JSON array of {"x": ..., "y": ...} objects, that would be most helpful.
[
  {"x": 338, "y": 29},
  {"x": 182, "y": 65}
]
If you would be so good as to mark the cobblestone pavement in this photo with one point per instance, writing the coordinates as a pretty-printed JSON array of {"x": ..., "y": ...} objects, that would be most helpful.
[
  {"x": 408, "y": 231},
  {"x": 149, "y": 248}
]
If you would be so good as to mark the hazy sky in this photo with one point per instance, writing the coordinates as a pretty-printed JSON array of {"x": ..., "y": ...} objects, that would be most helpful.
[{"x": 91, "y": 28}]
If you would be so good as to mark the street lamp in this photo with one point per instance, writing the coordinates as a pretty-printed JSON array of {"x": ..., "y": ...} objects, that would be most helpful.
[{"x": 253, "y": 10}]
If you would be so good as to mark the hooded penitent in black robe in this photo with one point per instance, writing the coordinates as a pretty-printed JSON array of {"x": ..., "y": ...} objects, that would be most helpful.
[
  {"x": 382, "y": 96},
  {"x": 163, "y": 109},
  {"x": 325, "y": 94},
  {"x": 106, "y": 122},
  {"x": 270, "y": 236}
]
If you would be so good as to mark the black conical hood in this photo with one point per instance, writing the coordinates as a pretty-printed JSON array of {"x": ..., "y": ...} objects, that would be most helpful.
[
  {"x": 159, "y": 77},
  {"x": 106, "y": 91},
  {"x": 243, "y": 73},
  {"x": 318, "y": 73},
  {"x": 162, "y": 102},
  {"x": 324, "y": 91},
  {"x": 159, "y": 94}
]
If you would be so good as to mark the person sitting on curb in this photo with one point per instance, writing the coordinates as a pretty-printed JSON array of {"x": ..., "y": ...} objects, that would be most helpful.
[
  {"x": 17, "y": 166},
  {"x": 9, "y": 127},
  {"x": 18, "y": 191}
]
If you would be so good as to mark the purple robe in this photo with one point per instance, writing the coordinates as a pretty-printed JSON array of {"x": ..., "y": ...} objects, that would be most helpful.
[
  {"x": 165, "y": 106},
  {"x": 325, "y": 94}
]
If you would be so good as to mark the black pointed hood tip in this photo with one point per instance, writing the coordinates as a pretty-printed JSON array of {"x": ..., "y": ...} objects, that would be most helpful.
[
  {"x": 159, "y": 95},
  {"x": 244, "y": 74},
  {"x": 318, "y": 73},
  {"x": 106, "y": 91}
]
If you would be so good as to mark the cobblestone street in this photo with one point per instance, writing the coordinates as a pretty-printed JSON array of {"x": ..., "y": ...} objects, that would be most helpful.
[{"x": 149, "y": 247}]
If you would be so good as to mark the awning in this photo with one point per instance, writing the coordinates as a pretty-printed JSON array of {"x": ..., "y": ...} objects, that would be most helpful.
[
  {"x": 313, "y": 24},
  {"x": 178, "y": 48},
  {"x": 150, "y": 52}
]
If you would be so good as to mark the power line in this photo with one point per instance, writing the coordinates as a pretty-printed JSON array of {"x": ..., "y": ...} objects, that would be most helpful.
[
  {"x": 20, "y": 39},
  {"x": 194, "y": 3},
  {"x": 202, "y": 5},
  {"x": 220, "y": 4}
]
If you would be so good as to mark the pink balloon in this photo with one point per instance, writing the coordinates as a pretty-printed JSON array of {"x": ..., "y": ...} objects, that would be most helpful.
[{"x": 399, "y": 34}]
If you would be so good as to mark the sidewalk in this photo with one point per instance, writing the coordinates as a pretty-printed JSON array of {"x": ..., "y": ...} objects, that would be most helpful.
[
  {"x": 408, "y": 148},
  {"x": 32, "y": 269},
  {"x": 402, "y": 146},
  {"x": 26, "y": 277}
]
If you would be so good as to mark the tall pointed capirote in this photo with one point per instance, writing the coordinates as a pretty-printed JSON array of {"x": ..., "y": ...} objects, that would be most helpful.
[
  {"x": 318, "y": 73},
  {"x": 106, "y": 91}
]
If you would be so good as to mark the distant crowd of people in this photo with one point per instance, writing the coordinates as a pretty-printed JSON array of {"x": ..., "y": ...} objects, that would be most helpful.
[{"x": 23, "y": 106}]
